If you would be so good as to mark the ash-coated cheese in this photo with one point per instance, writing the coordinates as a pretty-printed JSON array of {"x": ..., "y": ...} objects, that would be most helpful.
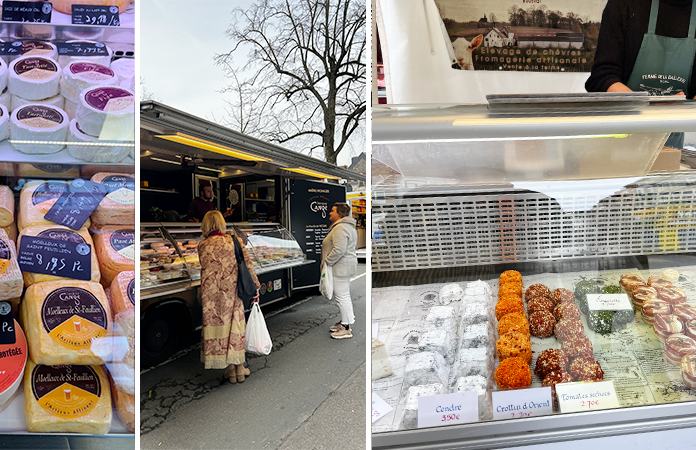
[
  {"x": 104, "y": 60},
  {"x": 57, "y": 101},
  {"x": 7, "y": 203},
  {"x": 34, "y": 77},
  {"x": 124, "y": 405},
  {"x": 381, "y": 365},
  {"x": 118, "y": 207},
  {"x": 60, "y": 233},
  {"x": 122, "y": 366},
  {"x": 36, "y": 199},
  {"x": 107, "y": 112},
  {"x": 11, "y": 282},
  {"x": 123, "y": 292},
  {"x": 38, "y": 129},
  {"x": 115, "y": 247},
  {"x": 67, "y": 399},
  {"x": 67, "y": 322},
  {"x": 81, "y": 75},
  {"x": 89, "y": 148}
]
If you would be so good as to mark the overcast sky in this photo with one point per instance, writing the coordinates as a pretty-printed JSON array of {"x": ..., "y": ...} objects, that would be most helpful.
[
  {"x": 465, "y": 11},
  {"x": 178, "y": 41}
]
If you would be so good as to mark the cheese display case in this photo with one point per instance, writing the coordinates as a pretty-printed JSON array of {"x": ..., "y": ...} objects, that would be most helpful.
[
  {"x": 533, "y": 280},
  {"x": 67, "y": 127}
]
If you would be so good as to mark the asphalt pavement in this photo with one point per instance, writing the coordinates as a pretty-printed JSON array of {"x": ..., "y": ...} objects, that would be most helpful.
[{"x": 309, "y": 393}]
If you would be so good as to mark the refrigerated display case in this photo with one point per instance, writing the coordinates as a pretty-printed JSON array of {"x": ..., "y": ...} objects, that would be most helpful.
[
  {"x": 100, "y": 61},
  {"x": 564, "y": 196}
]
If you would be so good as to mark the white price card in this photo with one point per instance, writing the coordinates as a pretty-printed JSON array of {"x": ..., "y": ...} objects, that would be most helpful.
[
  {"x": 447, "y": 409},
  {"x": 608, "y": 302},
  {"x": 375, "y": 330},
  {"x": 586, "y": 396},
  {"x": 522, "y": 403},
  {"x": 380, "y": 408}
]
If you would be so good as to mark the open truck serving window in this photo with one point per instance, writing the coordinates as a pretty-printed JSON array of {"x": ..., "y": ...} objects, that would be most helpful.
[{"x": 276, "y": 199}]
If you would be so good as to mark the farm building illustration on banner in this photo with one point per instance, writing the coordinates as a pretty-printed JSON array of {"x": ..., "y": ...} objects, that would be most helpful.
[{"x": 528, "y": 35}]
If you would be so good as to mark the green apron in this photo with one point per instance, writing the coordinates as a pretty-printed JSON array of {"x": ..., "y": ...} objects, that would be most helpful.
[{"x": 664, "y": 64}]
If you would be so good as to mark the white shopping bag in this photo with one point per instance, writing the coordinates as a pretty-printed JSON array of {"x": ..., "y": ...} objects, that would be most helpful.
[
  {"x": 326, "y": 281},
  {"x": 258, "y": 341}
]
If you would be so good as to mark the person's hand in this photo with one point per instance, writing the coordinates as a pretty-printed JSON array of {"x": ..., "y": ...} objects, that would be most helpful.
[
  {"x": 228, "y": 213},
  {"x": 256, "y": 297}
]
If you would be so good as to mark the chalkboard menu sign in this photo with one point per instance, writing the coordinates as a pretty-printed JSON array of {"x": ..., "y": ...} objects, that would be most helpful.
[{"x": 309, "y": 205}]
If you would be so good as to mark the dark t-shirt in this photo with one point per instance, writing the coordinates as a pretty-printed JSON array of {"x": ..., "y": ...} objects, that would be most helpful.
[
  {"x": 624, "y": 22},
  {"x": 199, "y": 207}
]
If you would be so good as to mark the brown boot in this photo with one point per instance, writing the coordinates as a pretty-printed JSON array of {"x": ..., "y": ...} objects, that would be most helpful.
[
  {"x": 242, "y": 372},
  {"x": 231, "y": 373}
]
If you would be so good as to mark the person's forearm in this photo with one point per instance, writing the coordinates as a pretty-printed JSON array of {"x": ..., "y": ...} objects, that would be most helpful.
[{"x": 619, "y": 87}]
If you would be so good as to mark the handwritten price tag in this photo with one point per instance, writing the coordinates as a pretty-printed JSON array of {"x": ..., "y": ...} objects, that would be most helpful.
[
  {"x": 586, "y": 396},
  {"x": 380, "y": 408},
  {"x": 447, "y": 409},
  {"x": 522, "y": 403},
  {"x": 608, "y": 302}
]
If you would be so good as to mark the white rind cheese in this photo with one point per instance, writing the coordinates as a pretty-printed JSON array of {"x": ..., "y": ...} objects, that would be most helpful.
[
  {"x": 4, "y": 123},
  {"x": 70, "y": 108},
  {"x": 38, "y": 129},
  {"x": 34, "y": 78},
  {"x": 107, "y": 112},
  {"x": 381, "y": 366},
  {"x": 67, "y": 322},
  {"x": 4, "y": 73},
  {"x": 124, "y": 68},
  {"x": 57, "y": 102},
  {"x": 59, "y": 233},
  {"x": 118, "y": 207},
  {"x": 81, "y": 75},
  {"x": 67, "y": 399},
  {"x": 6, "y": 99},
  {"x": 88, "y": 148},
  {"x": 37, "y": 48},
  {"x": 11, "y": 282}
]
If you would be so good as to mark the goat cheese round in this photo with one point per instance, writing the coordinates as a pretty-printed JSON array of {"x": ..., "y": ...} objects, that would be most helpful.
[
  {"x": 34, "y": 78},
  {"x": 4, "y": 71},
  {"x": 56, "y": 101},
  {"x": 88, "y": 148},
  {"x": 38, "y": 129},
  {"x": 6, "y": 99},
  {"x": 4, "y": 123},
  {"x": 124, "y": 68},
  {"x": 80, "y": 75},
  {"x": 107, "y": 112},
  {"x": 38, "y": 48}
]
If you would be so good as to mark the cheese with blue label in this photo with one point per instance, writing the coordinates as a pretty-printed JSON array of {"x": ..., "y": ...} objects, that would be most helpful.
[
  {"x": 115, "y": 247},
  {"x": 36, "y": 199}
]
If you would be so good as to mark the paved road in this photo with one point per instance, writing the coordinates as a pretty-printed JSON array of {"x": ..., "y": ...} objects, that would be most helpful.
[{"x": 309, "y": 393}]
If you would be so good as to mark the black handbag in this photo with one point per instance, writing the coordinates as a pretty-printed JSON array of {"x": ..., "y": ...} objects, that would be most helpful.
[{"x": 246, "y": 289}]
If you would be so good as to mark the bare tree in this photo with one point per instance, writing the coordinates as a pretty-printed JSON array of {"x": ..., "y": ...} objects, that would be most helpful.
[
  {"x": 307, "y": 69},
  {"x": 145, "y": 94}
]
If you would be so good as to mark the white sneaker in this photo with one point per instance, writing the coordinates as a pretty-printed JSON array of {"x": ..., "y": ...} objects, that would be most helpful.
[{"x": 342, "y": 333}]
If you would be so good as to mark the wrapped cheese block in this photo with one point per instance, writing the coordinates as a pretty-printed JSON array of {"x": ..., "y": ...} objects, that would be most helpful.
[
  {"x": 118, "y": 207},
  {"x": 38, "y": 129},
  {"x": 89, "y": 148},
  {"x": 36, "y": 199},
  {"x": 80, "y": 75},
  {"x": 14, "y": 360},
  {"x": 11, "y": 283},
  {"x": 7, "y": 203},
  {"x": 67, "y": 322},
  {"x": 34, "y": 78},
  {"x": 107, "y": 112},
  {"x": 125, "y": 406},
  {"x": 122, "y": 366},
  {"x": 60, "y": 233},
  {"x": 67, "y": 399},
  {"x": 61, "y": 171},
  {"x": 115, "y": 247},
  {"x": 123, "y": 292}
]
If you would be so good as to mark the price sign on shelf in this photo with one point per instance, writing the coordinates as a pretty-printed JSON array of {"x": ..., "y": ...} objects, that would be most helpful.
[
  {"x": 62, "y": 258},
  {"x": 522, "y": 403},
  {"x": 447, "y": 409},
  {"x": 608, "y": 302},
  {"x": 586, "y": 396},
  {"x": 7, "y": 331},
  {"x": 380, "y": 408},
  {"x": 81, "y": 49},
  {"x": 95, "y": 15},
  {"x": 33, "y": 12}
]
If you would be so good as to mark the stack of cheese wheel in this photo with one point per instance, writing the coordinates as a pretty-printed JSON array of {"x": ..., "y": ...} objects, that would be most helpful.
[
  {"x": 513, "y": 346},
  {"x": 122, "y": 367},
  {"x": 35, "y": 79},
  {"x": 68, "y": 325}
]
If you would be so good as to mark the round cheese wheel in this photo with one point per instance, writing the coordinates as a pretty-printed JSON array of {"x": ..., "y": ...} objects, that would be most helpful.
[
  {"x": 4, "y": 73},
  {"x": 6, "y": 99},
  {"x": 36, "y": 199},
  {"x": 81, "y": 75},
  {"x": 124, "y": 68},
  {"x": 107, "y": 112},
  {"x": 37, "y": 48},
  {"x": 34, "y": 77},
  {"x": 4, "y": 123},
  {"x": 70, "y": 108},
  {"x": 104, "y": 60},
  {"x": 38, "y": 129},
  {"x": 118, "y": 207},
  {"x": 115, "y": 246},
  {"x": 88, "y": 148},
  {"x": 57, "y": 102}
]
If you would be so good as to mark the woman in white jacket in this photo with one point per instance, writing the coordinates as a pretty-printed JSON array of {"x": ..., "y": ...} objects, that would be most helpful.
[{"x": 338, "y": 252}]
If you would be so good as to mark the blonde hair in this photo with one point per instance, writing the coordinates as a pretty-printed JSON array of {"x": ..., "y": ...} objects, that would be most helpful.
[{"x": 212, "y": 221}]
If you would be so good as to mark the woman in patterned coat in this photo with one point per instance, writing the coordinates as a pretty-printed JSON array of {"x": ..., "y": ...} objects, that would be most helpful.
[{"x": 224, "y": 326}]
